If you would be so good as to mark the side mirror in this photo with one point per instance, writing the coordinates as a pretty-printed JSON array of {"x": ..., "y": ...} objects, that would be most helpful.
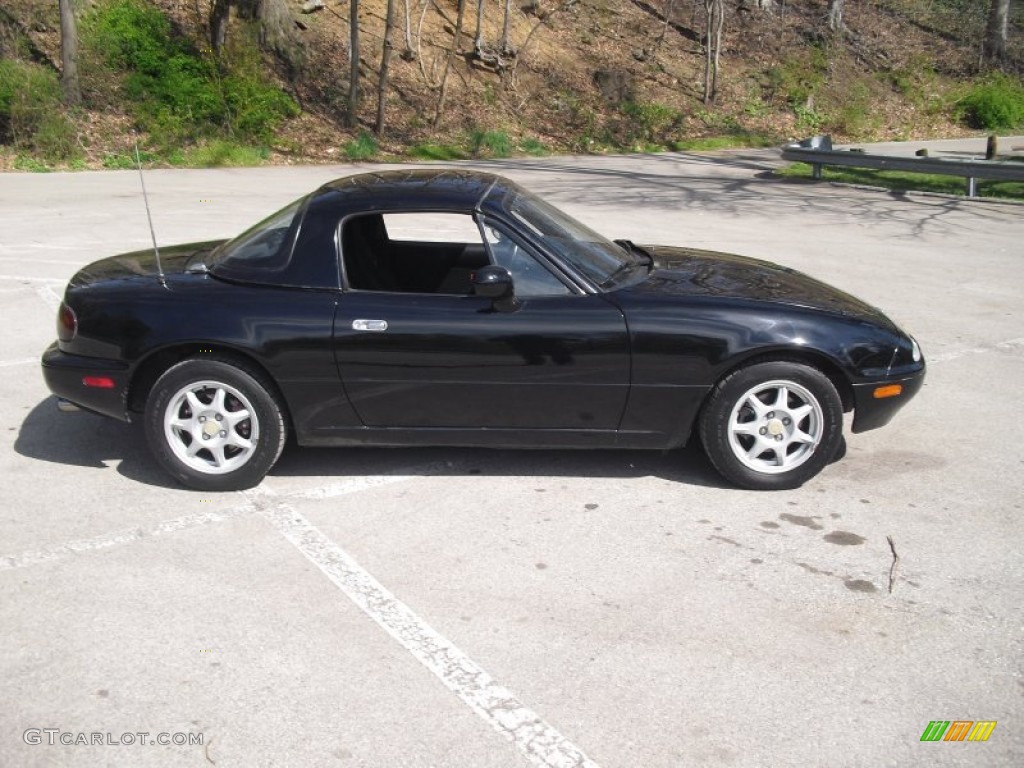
[
  {"x": 492, "y": 282},
  {"x": 495, "y": 283}
]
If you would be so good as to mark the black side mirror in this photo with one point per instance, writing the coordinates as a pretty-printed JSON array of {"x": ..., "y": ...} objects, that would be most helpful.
[{"x": 495, "y": 283}]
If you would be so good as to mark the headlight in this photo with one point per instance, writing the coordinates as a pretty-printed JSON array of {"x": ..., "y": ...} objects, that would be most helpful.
[{"x": 915, "y": 350}]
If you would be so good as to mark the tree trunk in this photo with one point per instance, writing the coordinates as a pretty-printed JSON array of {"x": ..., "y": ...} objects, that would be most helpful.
[
  {"x": 448, "y": 63},
  {"x": 478, "y": 43},
  {"x": 503, "y": 47},
  {"x": 994, "y": 49},
  {"x": 835, "y": 15},
  {"x": 714, "y": 11},
  {"x": 385, "y": 62},
  {"x": 353, "y": 62},
  {"x": 277, "y": 32},
  {"x": 70, "y": 90},
  {"x": 408, "y": 33},
  {"x": 219, "y": 24}
]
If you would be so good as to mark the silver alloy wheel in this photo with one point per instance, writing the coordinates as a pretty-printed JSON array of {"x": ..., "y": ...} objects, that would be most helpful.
[
  {"x": 211, "y": 427},
  {"x": 775, "y": 426}
]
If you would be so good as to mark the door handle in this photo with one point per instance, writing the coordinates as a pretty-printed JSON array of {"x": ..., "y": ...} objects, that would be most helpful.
[{"x": 369, "y": 325}]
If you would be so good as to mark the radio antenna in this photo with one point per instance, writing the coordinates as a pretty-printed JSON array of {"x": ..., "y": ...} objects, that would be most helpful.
[{"x": 149, "y": 216}]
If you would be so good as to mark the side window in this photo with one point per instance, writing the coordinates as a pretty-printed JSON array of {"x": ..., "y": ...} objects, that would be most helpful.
[
  {"x": 412, "y": 252},
  {"x": 529, "y": 276}
]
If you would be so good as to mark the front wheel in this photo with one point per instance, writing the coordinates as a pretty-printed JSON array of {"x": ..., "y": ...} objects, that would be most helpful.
[
  {"x": 214, "y": 424},
  {"x": 772, "y": 426}
]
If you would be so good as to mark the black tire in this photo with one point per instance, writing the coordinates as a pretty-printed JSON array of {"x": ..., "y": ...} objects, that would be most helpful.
[
  {"x": 797, "y": 420},
  {"x": 231, "y": 440}
]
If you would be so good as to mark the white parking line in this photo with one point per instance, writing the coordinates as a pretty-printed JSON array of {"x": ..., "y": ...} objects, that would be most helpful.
[
  {"x": 130, "y": 536},
  {"x": 33, "y": 279},
  {"x": 30, "y": 261},
  {"x": 50, "y": 296},
  {"x": 539, "y": 741},
  {"x": 357, "y": 484},
  {"x": 1002, "y": 346},
  {"x": 23, "y": 361}
]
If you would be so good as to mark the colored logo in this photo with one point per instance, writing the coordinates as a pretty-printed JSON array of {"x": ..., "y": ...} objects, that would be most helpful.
[{"x": 958, "y": 730}]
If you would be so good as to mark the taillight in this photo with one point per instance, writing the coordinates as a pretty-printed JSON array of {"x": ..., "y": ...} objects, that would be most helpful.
[{"x": 67, "y": 323}]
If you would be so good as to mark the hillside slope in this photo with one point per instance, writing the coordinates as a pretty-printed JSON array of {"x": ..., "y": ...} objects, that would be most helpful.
[{"x": 587, "y": 75}]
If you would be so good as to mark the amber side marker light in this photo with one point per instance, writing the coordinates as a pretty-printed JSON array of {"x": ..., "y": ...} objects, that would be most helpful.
[
  {"x": 889, "y": 390},
  {"x": 102, "y": 382}
]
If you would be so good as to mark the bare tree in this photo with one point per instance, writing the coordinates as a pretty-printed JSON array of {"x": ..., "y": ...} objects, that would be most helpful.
[
  {"x": 70, "y": 90},
  {"x": 385, "y": 61},
  {"x": 448, "y": 63},
  {"x": 408, "y": 54},
  {"x": 353, "y": 61},
  {"x": 835, "y": 15},
  {"x": 478, "y": 41},
  {"x": 714, "y": 12},
  {"x": 503, "y": 46},
  {"x": 219, "y": 10},
  {"x": 994, "y": 48}
]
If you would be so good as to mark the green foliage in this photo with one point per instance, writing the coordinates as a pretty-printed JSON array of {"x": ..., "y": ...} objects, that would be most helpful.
[
  {"x": 30, "y": 163},
  {"x": 436, "y": 152},
  {"x": 364, "y": 147},
  {"x": 31, "y": 116},
  {"x": 711, "y": 143},
  {"x": 221, "y": 153},
  {"x": 996, "y": 103},
  {"x": 534, "y": 147},
  {"x": 490, "y": 144},
  {"x": 808, "y": 119},
  {"x": 648, "y": 122},
  {"x": 854, "y": 114},
  {"x": 798, "y": 78},
  {"x": 178, "y": 93}
]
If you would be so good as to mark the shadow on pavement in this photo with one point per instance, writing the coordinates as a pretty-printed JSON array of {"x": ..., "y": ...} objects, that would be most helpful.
[{"x": 87, "y": 440}]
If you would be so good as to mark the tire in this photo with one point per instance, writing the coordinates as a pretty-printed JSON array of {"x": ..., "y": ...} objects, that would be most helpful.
[
  {"x": 790, "y": 411},
  {"x": 214, "y": 424}
]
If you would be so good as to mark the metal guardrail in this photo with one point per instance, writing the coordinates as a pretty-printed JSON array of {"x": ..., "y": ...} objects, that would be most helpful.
[{"x": 817, "y": 151}]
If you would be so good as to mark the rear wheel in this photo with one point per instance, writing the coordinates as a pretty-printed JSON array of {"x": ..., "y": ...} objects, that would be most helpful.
[
  {"x": 214, "y": 424},
  {"x": 772, "y": 426}
]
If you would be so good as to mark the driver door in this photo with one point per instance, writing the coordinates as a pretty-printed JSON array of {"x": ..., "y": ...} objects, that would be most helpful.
[{"x": 443, "y": 359}]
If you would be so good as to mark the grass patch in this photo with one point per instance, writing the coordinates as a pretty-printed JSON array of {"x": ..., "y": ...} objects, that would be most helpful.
[
  {"x": 494, "y": 144},
  {"x": 177, "y": 92},
  {"x": 32, "y": 119},
  {"x": 533, "y": 147},
  {"x": 737, "y": 141},
  {"x": 220, "y": 153},
  {"x": 901, "y": 181},
  {"x": 996, "y": 103},
  {"x": 363, "y": 147},
  {"x": 437, "y": 152}
]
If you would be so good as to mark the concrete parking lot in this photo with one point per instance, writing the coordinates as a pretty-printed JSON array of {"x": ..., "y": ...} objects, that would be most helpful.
[{"x": 458, "y": 608}]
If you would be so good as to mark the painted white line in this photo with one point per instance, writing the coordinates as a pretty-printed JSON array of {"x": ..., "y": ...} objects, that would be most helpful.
[
  {"x": 1002, "y": 346},
  {"x": 540, "y": 742},
  {"x": 23, "y": 361},
  {"x": 30, "y": 261},
  {"x": 358, "y": 484},
  {"x": 31, "y": 279},
  {"x": 130, "y": 536},
  {"x": 50, "y": 296}
]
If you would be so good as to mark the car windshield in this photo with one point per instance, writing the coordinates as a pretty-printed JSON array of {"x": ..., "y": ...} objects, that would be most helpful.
[
  {"x": 588, "y": 252},
  {"x": 263, "y": 246}
]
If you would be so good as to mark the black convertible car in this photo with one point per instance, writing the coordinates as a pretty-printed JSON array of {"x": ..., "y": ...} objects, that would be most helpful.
[{"x": 449, "y": 307}]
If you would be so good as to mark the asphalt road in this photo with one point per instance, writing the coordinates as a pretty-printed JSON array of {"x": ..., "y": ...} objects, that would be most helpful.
[{"x": 459, "y": 608}]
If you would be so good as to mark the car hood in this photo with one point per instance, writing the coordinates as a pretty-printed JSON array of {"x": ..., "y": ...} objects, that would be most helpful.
[
  {"x": 173, "y": 260},
  {"x": 694, "y": 272}
]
